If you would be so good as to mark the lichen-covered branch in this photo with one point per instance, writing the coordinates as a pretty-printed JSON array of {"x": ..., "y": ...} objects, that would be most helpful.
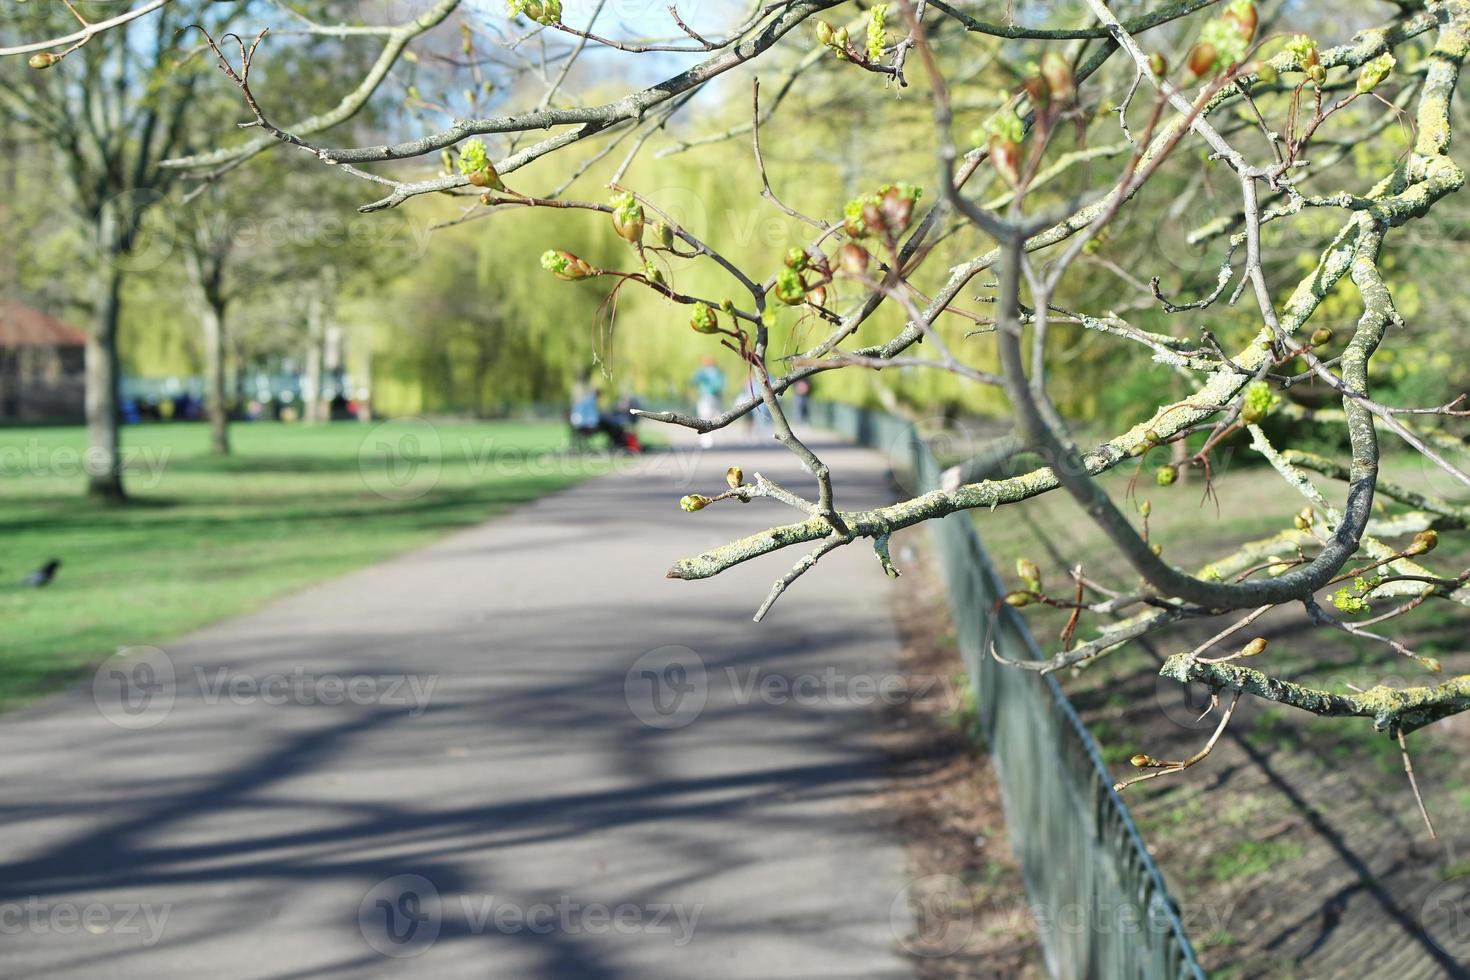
[
  {"x": 1394, "y": 711},
  {"x": 1449, "y": 515}
]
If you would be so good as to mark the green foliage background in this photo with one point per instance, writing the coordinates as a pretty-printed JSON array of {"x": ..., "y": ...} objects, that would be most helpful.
[{"x": 462, "y": 320}]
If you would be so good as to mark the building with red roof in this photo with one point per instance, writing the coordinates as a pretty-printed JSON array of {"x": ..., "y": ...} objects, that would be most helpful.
[{"x": 42, "y": 366}]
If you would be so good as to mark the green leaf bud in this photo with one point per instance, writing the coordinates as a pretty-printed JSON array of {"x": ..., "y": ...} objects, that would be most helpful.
[
  {"x": 877, "y": 38},
  {"x": 703, "y": 320},
  {"x": 565, "y": 265},
  {"x": 1259, "y": 400},
  {"x": 1028, "y": 572},
  {"x": 1374, "y": 72},
  {"x": 789, "y": 288},
  {"x": 627, "y": 218}
]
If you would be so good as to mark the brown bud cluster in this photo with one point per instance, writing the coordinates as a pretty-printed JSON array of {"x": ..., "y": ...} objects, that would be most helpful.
[
  {"x": 1005, "y": 157},
  {"x": 1202, "y": 59}
]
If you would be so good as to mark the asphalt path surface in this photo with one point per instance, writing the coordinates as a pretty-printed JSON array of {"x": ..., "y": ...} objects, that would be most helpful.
[{"x": 520, "y": 752}]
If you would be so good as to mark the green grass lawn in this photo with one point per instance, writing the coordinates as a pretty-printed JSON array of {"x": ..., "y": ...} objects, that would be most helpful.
[{"x": 207, "y": 537}]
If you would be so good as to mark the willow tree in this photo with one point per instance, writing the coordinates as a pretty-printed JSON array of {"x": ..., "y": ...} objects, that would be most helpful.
[{"x": 1190, "y": 84}]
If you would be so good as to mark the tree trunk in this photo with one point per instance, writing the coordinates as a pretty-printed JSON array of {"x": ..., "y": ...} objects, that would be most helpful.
[
  {"x": 482, "y": 375},
  {"x": 214, "y": 376},
  {"x": 206, "y": 271},
  {"x": 104, "y": 458},
  {"x": 365, "y": 404},
  {"x": 311, "y": 408}
]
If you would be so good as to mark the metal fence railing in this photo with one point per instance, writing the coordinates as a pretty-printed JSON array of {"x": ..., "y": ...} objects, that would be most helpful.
[{"x": 1100, "y": 902}]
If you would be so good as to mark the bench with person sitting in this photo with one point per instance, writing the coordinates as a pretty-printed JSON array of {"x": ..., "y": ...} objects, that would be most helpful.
[{"x": 587, "y": 419}]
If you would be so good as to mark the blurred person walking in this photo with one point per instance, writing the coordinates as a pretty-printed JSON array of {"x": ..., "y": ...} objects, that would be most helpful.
[{"x": 709, "y": 390}]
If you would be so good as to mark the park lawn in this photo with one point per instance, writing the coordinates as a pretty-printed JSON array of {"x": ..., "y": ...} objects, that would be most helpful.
[{"x": 208, "y": 537}]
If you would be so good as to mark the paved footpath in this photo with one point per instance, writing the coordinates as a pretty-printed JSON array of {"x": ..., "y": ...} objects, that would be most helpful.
[{"x": 520, "y": 752}]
